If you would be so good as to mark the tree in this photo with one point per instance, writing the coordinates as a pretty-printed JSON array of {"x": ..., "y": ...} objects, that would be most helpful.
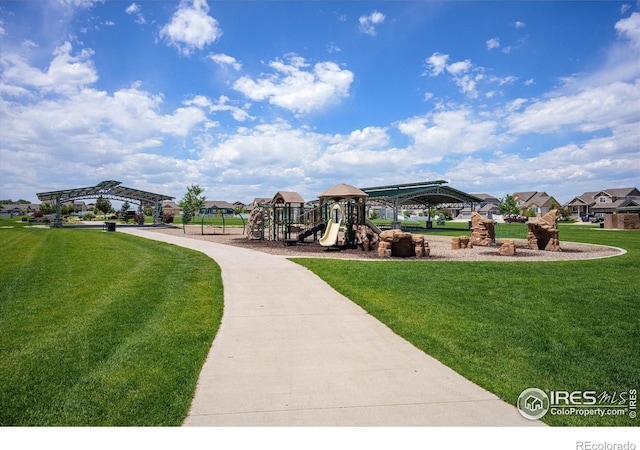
[
  {"x": 192, "y": 202},
  {"x": 123, "y": 212},
  {"x": 47, "y": 208},
  {"x": 508, "y": 206},
  {"x": 103, "y": 205}
]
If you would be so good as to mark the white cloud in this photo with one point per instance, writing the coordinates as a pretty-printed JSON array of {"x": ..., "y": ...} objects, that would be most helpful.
[
  {"x": 587, "y": 111},
  {"x": 448, "y": 132},
  {"x": 436, "y": 63},
  {"x": 66, "y": 73},
  {"x": 493, "y": 43},
  {"x": 136, "y": 9},
  {"x": 519, "y": 24},
  {"x": 225, "y": 60},
  {"x": 466, "y": 75},
  {"x": 133, "y": 8},
  {"x": 630, "y": 28},
  {"x": 191, "y": 27},
  {"x": 459, "y": 67},
  {"x": 296, "y": 88},
  {"x": 238, "y": 113},
  {"x": 368, "y": 23}
]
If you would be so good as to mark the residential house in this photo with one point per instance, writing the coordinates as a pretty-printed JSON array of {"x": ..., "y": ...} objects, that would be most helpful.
[
  {"x": 239, "y": 206},
  {"x": 538, "y": 202},
  {"x": 259, "y": 202},
  {"x": 218, "y": 207},
  {"x": 603, "y": 202},
  {"x": 489, "y": 206},
  {"x": 78, "y": 206},
  {"x": 171, "y": 207},
  {"x": 18, "y": 209}
]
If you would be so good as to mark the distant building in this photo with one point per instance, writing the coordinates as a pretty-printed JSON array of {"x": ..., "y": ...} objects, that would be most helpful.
[
  {"x": 171, "y": 207},
  {"x": 18, "y": 209},
  {"x": 603, "y": 202},
  {"x": 538, "y": 202},
  {"x": 218, "y": 207},
  {"x": 259, "y": 202}
]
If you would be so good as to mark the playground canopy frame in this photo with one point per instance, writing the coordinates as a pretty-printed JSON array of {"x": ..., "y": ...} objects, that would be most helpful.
[
  {"x": 427, "y": 193},
  {"x": 109, "y": 190}
]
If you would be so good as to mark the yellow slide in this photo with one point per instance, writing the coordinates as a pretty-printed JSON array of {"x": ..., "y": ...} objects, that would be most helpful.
[{"x": 330, "y": 236}]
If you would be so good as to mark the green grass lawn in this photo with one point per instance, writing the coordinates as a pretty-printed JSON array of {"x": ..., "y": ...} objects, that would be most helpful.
[
  {"x": 508, "y": 326},
  {"x": 101, "y": 329}
]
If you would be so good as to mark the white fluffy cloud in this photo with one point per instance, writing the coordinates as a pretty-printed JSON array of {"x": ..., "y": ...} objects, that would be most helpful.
[
  {"x": 297, "y": 86},
  {"x": 493, "y": 43},
  {"x": 136, "y": 10},
  {"x": 368, "y": 23},
  {"x": 449, "y": 132},
  {"x": 466, "y": 75},
  {"x": 223, "y": 59},
  {"x": 66, "y": 73},
  {"x": 630, "y": 28},
  {"x": 589, "y": 110},
  {"x": 191, "y": 27}
]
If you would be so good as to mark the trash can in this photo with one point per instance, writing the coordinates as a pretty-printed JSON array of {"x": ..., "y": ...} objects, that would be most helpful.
[
  {"x": 601, "y": 224},
  {"x": 111, "y": 226}
]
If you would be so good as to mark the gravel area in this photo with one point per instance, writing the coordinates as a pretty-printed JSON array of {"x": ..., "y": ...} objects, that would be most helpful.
[{"x": 440, "y": 247}]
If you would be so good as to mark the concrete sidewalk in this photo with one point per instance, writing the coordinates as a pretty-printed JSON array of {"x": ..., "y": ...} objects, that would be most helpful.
[{"x": 293, "y": 351}]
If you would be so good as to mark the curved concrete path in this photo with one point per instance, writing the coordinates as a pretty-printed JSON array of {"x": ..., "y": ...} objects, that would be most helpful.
[{"x": 293, "y": 351}]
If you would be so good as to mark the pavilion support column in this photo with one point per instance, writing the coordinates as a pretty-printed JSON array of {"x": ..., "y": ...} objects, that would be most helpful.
[
  {"x": 396, "y": 208},
  {"x": 157, "y": 220},
  {"x": 57, "y": 221}
]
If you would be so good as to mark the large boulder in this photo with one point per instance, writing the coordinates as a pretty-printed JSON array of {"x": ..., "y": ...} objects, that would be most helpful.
[
  {"x": 483, "y": 231},
  {"x": 402, "y": 244},
  {"x": 543, "y": 233}
]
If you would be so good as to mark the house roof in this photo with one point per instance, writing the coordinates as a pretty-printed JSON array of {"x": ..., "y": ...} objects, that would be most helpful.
[
  {"x": 170, "y": 204},
  {"x": 490, "y": 207},
  {"x": 487, "y": 197},
  {"x": 19, "y": 206},
  {"x": 525, "y": 196},
  {"x": 589, "y": 198},
  {"x": 220, "y": 204},
  {"x": 535, "y": 198},
  {"x": 621, "y": 192}
]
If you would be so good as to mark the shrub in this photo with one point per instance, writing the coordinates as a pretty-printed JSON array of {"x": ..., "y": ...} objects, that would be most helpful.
[
  {"x": 88, "y": 216},
  {"x": 167, "y": 218}
]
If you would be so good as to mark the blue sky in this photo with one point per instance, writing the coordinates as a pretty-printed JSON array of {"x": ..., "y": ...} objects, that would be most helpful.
[{"x": 246, "y": 98}]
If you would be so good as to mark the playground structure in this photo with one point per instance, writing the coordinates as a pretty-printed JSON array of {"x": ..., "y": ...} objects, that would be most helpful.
[
  {"x": 339, "y": 219},
  {"x": 332, "y": 221}
]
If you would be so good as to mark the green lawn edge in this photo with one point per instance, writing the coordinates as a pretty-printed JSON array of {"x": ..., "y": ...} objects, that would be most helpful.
[{"x": 102, "y": 329}]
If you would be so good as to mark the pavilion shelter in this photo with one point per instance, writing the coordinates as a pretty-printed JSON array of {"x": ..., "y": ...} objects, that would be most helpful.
[
  {"x": 426, "y": 194},
  {"x": 112, "y": 190}
]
